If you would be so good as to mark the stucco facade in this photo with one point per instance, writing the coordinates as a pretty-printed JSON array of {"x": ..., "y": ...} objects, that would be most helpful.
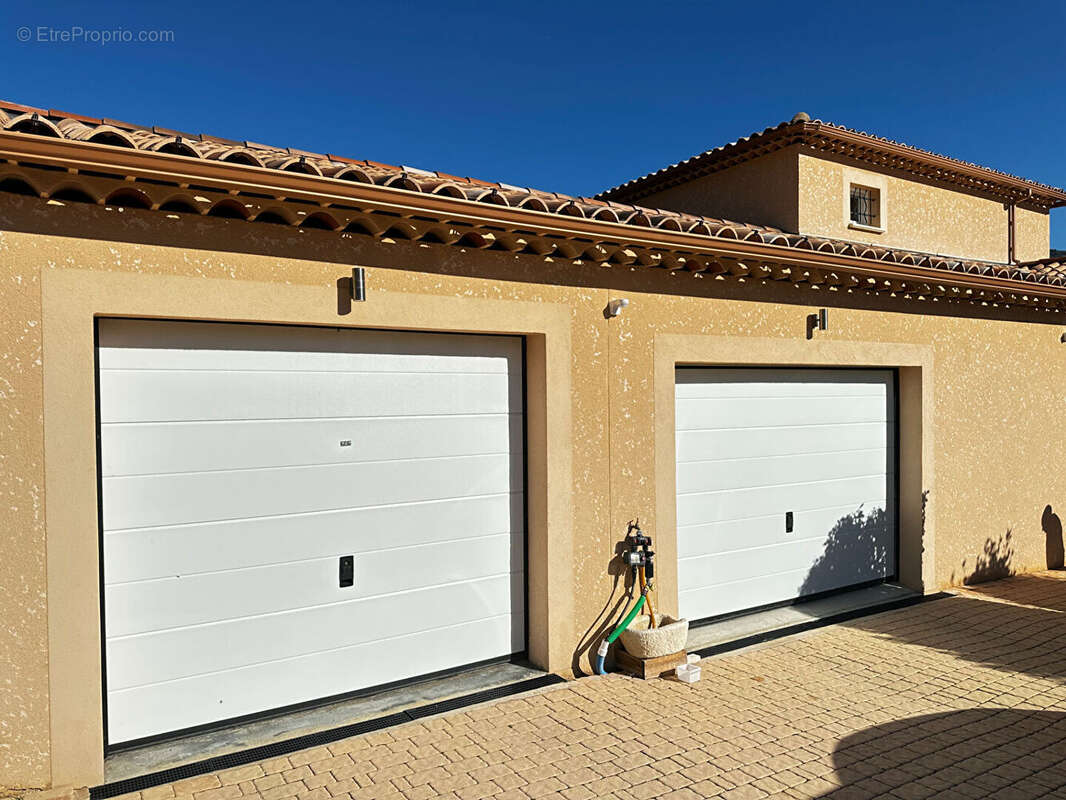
[
  {"x": 802, "y": 190},
  {"x": 153, "y": 225},
  {"x": 978, "y": 384},
  {"x": 764, "y": 190},
  {"x": 917, "y": 214}
]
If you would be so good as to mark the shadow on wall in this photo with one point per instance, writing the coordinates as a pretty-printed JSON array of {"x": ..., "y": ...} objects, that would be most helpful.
[
  {"x": 993, "y": 564},
  {"x": 976, "y": 752},
  {"x": 996, "y": 559},
  {"x": 610, "y": 615},
  {"x": 1053, "y": 546},
  {"x": 859, "y": 548}
]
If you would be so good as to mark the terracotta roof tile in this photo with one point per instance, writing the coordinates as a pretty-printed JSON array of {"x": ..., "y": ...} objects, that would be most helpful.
[
  {"x": 176, "y": 134},
  {"x": 1053, "y": 268},
  {"x": 345, "y": 159},
  {"x": 21, "y": 109},
  {"x": 829, "y": 137},
  {"x": 605, "y": 208},
  {"x": 34, "y": 123},
  {"x": 67, "y": 115},
  {"x": 119, "y": 124},
  {"x": 204, "y": 137}
]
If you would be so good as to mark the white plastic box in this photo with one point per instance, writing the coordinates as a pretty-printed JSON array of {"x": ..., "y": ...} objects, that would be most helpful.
[{"x": 688, "y": 673}]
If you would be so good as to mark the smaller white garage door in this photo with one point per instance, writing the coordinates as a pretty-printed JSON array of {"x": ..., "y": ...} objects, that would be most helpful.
[
  {"x": 785, "y": 484},
  {"x": 242, "y": 463}
]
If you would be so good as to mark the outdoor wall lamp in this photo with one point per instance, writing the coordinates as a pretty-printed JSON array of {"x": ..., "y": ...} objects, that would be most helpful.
[
  {"x": 358, "y": 284},
  {"x": 1063, "y": 338},
  {"x": 817, "y": 322},
  {"x": 614, "y": 308}
]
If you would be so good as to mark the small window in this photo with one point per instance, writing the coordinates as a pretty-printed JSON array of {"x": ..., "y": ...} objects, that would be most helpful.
[{"x": 865, "y": 206}]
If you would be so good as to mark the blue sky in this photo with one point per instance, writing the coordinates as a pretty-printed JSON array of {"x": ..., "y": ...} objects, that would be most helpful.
[{"x": 572, "y": 97}]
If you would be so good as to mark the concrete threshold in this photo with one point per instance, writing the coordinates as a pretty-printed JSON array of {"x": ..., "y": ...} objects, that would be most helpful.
[
  {"x": 196, "y": 747},
  {"x": 746, "y": 626}
]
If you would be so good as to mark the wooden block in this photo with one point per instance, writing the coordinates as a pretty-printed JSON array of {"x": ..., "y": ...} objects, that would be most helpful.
[{"x": 649, "y": 667}]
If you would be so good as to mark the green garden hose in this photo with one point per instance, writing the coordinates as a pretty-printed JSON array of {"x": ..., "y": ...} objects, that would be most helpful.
[{"x": 601, "y": 654}]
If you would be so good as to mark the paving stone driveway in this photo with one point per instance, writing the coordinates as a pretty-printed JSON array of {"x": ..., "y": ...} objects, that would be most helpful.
[{"x": 958, "y": 698}]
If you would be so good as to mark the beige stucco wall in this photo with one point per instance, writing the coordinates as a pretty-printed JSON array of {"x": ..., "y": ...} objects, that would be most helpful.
[
  {"x": 994, "y": 385},
  {"x": 762, "y": 191},
  {"x": 916, "y": 214},
  {"x": 1032, "y": 232},
  {"x": 804, "y": 191}
]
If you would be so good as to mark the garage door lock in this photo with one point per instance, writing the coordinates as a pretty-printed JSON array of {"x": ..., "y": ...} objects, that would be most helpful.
[
  {"x": 347, "y": 571},
  {"x": 788, "y": 522}
]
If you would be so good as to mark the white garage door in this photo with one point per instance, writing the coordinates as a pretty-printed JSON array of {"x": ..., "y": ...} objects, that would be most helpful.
[
  {"x": 785, "y": 485},
  {"x": 242, "y": 463}
]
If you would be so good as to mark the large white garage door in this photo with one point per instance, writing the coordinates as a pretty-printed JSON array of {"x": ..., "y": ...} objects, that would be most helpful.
[
  {"x": 785, "y": 484},
  {"x": 241, "y": 465}
]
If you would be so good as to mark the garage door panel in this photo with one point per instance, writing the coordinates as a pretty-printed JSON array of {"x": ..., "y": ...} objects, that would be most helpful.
[
  {"x": 143, "y": 553},
  {"x": 726, "y": 505},
  {"x": 869, "y": 558},
  {"x": 745, "y": 382},
  {"x": 781, "y": 441},
  {"x": 744, "y": 473},
  {"x": 203, "y": 699},
  {"x": 151, "y": 448},
  {"x": 728, "y": 598},
  {"x": 160, "y": 656},
  {"x": 165, "y": 603},
  {"x": 754, "y": 445},
  {"x": 149, "y": 500},
  {"x": 742, "y": 566},
  {"x": 240, "y": 462},
  {"x": 760, "y": 412},
  {"x": 769, "y": 589},
  {"x": 186, "y": 395},
  {"x": 760, "y": 587},
  {"x": 148, "y": 345},
  {"x": 722, "y": 537}
]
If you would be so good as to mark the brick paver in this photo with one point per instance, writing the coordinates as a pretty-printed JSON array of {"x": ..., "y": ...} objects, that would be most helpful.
[{"x": 959, "y": 698}]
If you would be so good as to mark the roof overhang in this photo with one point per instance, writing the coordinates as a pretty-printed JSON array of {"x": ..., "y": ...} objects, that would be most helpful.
[
  {"x": 387, "y": 211},
  {"x": 829, "y": 139}
]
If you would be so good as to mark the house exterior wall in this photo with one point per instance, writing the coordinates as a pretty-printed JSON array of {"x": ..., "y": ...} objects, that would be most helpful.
[
  {"x": 805, "y": 191},
  {"x": 976, "y": 393},
  {"x": 1032, "y": 234},
  {"x": 763, "y": 191},
  {"x": 916, "y": 214}
]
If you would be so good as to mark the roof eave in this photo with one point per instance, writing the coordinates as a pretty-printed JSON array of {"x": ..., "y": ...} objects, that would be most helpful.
[
  {"x": 183, "y": 170},
  {"x": 1011, "y": 188},
  {"x": 1023, "y": 189}
]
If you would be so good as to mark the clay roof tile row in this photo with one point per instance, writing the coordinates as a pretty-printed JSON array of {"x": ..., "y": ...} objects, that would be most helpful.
[
  {"x": 23, "y": 119},
  {"x": 828, "y": 136}
]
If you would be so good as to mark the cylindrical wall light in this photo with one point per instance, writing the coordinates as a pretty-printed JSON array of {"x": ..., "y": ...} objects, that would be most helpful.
[
  {"x": 358, "y": 284},
  {"x": 615, "y": 307}
]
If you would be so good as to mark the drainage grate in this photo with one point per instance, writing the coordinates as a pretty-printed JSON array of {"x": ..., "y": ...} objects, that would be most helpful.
[
  {"x": 834, "y": 619},
  {"x": 276, "y": 749}
]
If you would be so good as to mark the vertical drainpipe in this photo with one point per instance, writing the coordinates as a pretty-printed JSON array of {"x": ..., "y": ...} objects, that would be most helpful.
[{"x": 1010, "y": 231}]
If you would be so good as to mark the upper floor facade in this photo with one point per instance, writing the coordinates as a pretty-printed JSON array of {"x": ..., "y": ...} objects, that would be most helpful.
[{"x": 821, "y": 180}]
